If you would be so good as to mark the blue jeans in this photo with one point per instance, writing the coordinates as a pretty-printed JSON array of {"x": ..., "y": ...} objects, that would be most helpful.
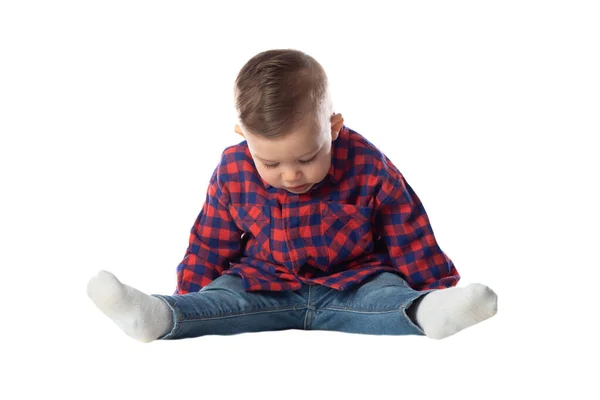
[{"x": 377, "y": 306}]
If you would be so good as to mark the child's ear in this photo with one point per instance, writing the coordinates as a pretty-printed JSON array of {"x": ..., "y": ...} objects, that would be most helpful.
[
  {"x": 238, "y": 130},
  {"x": 337, "y": 121}
]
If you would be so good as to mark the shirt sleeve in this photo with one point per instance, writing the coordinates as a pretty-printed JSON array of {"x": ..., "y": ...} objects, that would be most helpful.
[
  {"x": 406, "y": 231},
  {"x": 214, "y": 241}
]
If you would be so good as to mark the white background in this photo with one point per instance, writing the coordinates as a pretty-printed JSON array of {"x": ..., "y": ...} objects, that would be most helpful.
[{"x": 114, "y": 114}]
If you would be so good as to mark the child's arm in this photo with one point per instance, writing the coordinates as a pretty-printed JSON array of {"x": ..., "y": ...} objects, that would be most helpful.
[
  {"x": 405, "y": 229},
  {"x": 214, "y": 241}
]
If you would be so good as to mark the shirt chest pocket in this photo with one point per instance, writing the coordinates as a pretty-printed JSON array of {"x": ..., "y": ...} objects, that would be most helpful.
[
  {"x": 346, "y": 230},
  {"x": 254, "y": 221}
]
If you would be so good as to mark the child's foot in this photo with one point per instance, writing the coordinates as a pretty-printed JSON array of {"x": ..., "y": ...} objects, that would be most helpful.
[
  {"x": 447, "y": 311},
  {"x": 143, "y": 317}
]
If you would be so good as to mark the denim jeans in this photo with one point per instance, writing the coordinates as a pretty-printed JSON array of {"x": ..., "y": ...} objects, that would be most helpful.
[{"x": 377, "y": 306}]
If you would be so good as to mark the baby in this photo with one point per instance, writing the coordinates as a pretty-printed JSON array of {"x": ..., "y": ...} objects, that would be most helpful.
[{"x": 306, "y": 225}]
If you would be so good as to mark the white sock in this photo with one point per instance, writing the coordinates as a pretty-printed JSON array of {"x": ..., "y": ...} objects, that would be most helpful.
[
  {"x": 143, "y": 317},
  {"x": 444, "y": 312}
]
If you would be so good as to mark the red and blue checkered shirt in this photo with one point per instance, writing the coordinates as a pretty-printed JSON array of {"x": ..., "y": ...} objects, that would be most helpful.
[{"x": 362, "y": 219}]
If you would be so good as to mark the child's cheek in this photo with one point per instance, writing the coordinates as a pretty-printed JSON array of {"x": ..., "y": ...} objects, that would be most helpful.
[{"x": 271, "y": 178}]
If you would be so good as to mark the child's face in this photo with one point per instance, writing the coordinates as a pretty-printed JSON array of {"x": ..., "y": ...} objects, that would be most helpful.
[{"x": 298, "y": 160}]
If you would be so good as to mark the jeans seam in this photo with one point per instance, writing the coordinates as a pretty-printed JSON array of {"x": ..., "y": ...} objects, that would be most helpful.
[
  {"x": 359, "y": 311},
  {"x": 244, "y": 313},
  {"x": 308, "y": 306}
]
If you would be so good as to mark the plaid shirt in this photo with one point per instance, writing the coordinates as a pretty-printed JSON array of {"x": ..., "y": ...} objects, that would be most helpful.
[{"x": 363, "y": 218}]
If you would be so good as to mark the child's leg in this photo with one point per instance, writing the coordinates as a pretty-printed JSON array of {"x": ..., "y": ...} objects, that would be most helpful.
[
  {"x": 220, "y": 308},
  {"x": 385, "y": 305}
]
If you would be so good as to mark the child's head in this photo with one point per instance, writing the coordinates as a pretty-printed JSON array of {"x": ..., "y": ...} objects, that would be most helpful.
[{"x": 285, "y": 113}]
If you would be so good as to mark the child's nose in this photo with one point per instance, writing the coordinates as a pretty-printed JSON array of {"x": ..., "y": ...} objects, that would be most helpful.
[{"x": 291, "y": 175}]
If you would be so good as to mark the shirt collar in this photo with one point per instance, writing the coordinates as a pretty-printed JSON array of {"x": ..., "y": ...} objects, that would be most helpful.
[{"x": 339, "y": 155}]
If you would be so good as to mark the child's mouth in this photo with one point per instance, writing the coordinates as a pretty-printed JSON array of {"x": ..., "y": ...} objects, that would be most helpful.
[{"x": 299, "y": 188}]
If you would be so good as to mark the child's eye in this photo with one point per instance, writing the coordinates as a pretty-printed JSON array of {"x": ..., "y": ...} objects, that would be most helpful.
[
  {"x": 269, "y": 166},
  {"x": 308, "y": 161}
]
